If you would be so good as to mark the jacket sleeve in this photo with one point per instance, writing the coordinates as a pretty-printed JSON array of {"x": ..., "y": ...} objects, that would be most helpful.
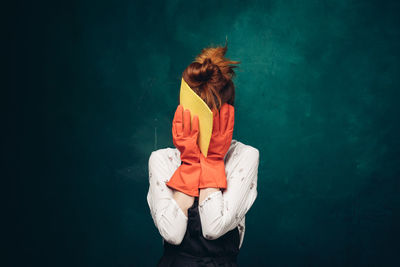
[
  {"x": 221, "y": 212},
  {"x": 168, "y": 217}
]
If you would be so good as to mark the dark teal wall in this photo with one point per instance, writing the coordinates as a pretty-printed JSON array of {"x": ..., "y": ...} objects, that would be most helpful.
[{"x": 317, "y": 94}]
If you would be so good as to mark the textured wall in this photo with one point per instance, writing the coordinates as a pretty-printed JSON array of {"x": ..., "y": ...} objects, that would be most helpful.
[{"x": 317, "y": 94}]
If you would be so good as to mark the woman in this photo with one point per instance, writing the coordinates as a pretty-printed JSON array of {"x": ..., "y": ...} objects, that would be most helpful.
[{"x": 199, "y": 203}]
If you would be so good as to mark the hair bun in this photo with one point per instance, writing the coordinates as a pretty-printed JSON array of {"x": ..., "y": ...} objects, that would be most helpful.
[
  {"x": 216, "y": 55},
  {"x": 210, "y": 76},
  {"x": 206, "y": 71}
]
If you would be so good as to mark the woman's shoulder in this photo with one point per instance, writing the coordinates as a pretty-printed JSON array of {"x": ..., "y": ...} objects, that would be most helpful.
[
  {"x": 240, "y": 150},
  {"x": 162, "y": 152},
  {"x": 235, "y": 144},
  {"x": 165, "y": 155}
]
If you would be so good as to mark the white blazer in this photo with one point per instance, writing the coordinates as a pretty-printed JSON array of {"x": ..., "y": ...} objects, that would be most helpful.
[{"x": 221, "y": 211}]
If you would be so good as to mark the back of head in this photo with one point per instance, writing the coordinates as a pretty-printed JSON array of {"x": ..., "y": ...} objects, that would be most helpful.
[{"x": 210, "y": 76}]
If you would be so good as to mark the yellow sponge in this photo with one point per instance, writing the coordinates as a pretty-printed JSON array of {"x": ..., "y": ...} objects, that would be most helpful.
[{"x": 191, "y": 101}]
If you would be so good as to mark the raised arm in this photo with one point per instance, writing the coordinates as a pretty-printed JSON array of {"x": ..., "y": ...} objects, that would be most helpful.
[
  {"x": 167, "y": 215},
  {"x": 221, "y": 212}
]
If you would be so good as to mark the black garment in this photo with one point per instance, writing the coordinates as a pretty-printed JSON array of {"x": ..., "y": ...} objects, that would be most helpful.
[{"x": 195, "y": 250}]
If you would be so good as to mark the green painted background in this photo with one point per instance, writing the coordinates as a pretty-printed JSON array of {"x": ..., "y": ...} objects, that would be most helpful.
[{"x": 317, "y": 94}]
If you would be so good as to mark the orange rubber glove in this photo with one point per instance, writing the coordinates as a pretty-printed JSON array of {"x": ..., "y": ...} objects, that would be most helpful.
[
  {"x": 187, "y": 175},
  {"x": 213, "y": 167}
]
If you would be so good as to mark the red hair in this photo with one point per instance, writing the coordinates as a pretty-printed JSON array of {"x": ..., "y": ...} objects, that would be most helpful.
[{"x": 210, "y": 76}]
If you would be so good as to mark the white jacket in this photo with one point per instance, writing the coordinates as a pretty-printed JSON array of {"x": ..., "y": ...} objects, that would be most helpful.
[{"x": 220, "y": 212}]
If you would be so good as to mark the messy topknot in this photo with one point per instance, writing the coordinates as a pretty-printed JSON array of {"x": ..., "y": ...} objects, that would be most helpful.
[{"x": 210, "y": 76}]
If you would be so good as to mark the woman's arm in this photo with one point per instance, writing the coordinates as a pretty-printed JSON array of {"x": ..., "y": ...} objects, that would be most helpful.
[
  {"x": 205, "y": 192},
  {"x": 184, "y": 201},
  {"x": 168, "y": 208},
  {"x": 222, "y": 212}
]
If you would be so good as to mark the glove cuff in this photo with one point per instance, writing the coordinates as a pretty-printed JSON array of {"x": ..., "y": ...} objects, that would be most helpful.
[
  {"x": 186, "y": 179},
  {"x": 212, "y": 173}
]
